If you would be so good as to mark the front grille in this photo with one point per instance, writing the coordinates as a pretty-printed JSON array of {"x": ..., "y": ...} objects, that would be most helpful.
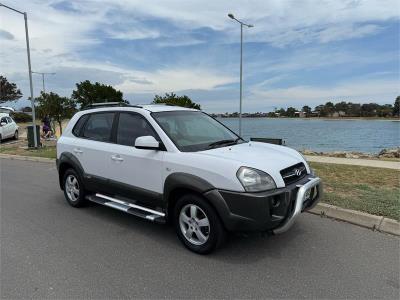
[{"x": 293, "y": 173}]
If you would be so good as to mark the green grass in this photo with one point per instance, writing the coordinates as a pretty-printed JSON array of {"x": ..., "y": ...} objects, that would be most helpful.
[
  {"x": 372, "y": 190},
  {"x": 46, "y": 151}
]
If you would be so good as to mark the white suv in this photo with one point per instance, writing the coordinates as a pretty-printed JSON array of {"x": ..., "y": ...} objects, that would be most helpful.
[
  {"x": 8, "y": 128},
  {"x": 166, "y": 163}
]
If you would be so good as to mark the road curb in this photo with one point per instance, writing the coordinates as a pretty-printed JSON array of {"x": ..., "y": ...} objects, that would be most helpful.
[
  {"x": 27, "y": 158},
  {"x": 359, "y": 218}
]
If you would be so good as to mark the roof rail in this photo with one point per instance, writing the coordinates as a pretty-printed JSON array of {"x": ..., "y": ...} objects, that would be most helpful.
[
  {"x": 166, "y": 104},
  {"x": 109, "y": 104}
]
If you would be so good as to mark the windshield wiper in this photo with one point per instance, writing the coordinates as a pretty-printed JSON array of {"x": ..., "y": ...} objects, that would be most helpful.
[{"x": 223, "y": 142}]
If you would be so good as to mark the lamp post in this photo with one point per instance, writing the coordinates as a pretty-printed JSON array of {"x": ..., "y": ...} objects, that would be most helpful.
[
  {"x": 241, "y": 67},
  {"x": 29, "y": 71},
  {"x": 42, "y": 73}
]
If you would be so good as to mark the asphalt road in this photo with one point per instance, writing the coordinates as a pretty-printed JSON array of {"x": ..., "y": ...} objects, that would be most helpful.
[{"x": 51, "y": 250}]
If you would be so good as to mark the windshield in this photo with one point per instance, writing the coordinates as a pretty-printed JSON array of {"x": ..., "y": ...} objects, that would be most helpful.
[{"x": 194, "y": 130}]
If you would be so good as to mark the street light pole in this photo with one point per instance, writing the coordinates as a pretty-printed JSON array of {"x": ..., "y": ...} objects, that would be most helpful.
[
  {"x": 29, "y": 71},
  {"x": 241, "y": 79},
  {"x": 42, "y": 73},
  {"x": 28, "y": 51},
  {"x": 241, "y": 67}
]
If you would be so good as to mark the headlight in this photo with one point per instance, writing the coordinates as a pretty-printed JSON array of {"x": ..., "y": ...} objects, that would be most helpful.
[
  {"x": 307, "y": 164},
  {"x": 255, "y": 180}
]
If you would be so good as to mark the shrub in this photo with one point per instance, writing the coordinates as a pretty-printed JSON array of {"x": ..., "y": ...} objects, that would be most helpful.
[{"x": 21, "y": 117}]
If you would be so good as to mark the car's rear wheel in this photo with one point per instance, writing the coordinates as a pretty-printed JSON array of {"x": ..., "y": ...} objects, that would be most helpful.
[
  {"x": 73, "y": 188},
  {"x": 198, "y": 225},
  {"x": 16, "y": 135}
]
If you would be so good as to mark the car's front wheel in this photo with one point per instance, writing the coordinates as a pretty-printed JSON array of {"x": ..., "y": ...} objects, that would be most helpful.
[
  {"x": 16, "y": 135},
  {"x": 198, "y": 225},
  {"x": 73, "y": 188}
]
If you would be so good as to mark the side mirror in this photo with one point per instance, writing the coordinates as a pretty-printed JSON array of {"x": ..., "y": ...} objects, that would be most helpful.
[
  {"x": 3, "y": 123},
  {"x": 147, "y": 142}
]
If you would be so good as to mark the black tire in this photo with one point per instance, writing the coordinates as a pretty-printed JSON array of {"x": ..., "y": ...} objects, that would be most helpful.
[
  {"x": 75, "y": 199},
  {"x": 215, "y": 232},
  {"x": 16, "y": 135}
]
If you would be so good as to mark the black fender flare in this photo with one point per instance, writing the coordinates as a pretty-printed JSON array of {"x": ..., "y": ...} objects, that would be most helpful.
[
  {"x": 200, "y": 186},
  {"x": 185, "y": 181},
  {"x": 67, "y": 158}
]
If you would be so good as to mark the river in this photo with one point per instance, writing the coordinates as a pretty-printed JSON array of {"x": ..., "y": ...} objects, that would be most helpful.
[{"x": 323, "y": 135}]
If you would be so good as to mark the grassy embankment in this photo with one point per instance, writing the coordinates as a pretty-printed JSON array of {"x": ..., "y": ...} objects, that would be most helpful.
[
  {"x": 372, "y": 190},
  {"x": 46, "y": 152}
]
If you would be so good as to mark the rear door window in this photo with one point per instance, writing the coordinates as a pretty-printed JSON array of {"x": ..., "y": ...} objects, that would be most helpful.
[{"x": 99, "y": 127}]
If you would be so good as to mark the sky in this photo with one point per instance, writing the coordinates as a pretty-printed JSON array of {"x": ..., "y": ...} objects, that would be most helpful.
[{"x": 298, "y": 52}]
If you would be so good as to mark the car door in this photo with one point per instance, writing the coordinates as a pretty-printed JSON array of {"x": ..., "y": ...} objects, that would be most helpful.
[
  {"x": 6, "y": 128},
  {"x": 92, "y": 149},
  {"x": 136, "y": 173},
  {"x": 12, "y": 126}
]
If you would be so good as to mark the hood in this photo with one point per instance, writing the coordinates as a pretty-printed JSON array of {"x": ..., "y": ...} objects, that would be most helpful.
[{"x": 262, "y": 156}]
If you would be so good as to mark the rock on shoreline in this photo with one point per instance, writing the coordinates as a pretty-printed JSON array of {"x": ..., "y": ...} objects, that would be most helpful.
[
  {"x": 390, "y": 153},
  {"x": 385, "y": 153}
]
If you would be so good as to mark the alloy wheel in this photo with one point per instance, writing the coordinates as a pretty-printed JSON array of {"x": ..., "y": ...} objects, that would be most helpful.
[
  {"x": 194, "y": 224},
  {"x": 72, "y": 188}
]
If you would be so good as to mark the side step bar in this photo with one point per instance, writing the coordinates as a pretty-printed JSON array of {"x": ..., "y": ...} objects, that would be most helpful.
[{"x": 130, "y": 208}]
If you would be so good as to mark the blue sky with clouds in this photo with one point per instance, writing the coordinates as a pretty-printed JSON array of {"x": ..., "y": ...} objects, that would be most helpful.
[{"x": 299, "y": 52}]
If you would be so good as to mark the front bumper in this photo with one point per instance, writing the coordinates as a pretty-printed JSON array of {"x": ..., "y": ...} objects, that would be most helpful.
[{"x": 266, "y": 211}]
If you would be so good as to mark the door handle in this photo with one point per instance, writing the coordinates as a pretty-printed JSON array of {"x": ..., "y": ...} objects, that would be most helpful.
[
  {"x": 117, "y": 158},
  {"x": 78, "y": 151}
]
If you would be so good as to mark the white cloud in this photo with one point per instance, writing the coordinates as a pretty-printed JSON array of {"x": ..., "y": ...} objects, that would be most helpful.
[
  {"x": 359, "y": 90},
  {"x": 133, "y": 34},
  {"x": 167, "y": 80},
  {"x": 264, "y": 99},
  {"x": 278, "y": 22},
  {"x": 58, "y": 37},
  {"x": 136, "y": 81},
  {"x": 345, "y": 32},
  {"x": 316, "y": 58},
  {"x": 127, "y": 80}
]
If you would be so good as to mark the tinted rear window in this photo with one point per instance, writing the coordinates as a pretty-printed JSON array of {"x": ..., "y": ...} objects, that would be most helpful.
[{"x": 99, "y": 126}]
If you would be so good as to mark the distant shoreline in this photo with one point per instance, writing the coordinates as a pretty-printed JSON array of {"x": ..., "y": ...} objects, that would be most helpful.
[{"x": 323, "y": 118}]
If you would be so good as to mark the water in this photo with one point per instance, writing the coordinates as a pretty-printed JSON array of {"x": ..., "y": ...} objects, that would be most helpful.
[{"x": 323, "y": 135}]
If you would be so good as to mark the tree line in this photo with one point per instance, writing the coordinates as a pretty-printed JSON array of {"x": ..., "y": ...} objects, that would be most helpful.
[
  {"x": 343, "y": 109},
  {"x": 329, "y": 109}
]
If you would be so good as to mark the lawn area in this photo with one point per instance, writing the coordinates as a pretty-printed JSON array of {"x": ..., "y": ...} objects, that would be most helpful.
[
  {"x": 372, "y": 190},
  {"x": 46, "y": 151}
]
